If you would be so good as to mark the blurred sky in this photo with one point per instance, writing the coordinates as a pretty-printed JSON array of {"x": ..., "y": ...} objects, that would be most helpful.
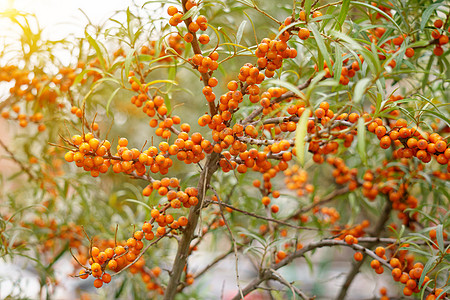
[{"x": 60, "y": 17}]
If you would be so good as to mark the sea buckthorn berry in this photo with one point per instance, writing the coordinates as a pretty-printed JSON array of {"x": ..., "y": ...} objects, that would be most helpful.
[
  {"x": 407, "y": 291},
  {"x": 131, "y": 242},
  {"x": 375, "y": 264},
  {"x": 380, "y": 131},
  {"x": 441, "y": 146},
  {"x": 409, "y": 52},
  {"x": 438, "y": 23},
  {"x": 385, "y": 142},
  {"x": 349, "y": 239},
  {"x": 83, "y": 274},
  {"x": 438, "y": 51},
  {"x": 138, "y": 235},
  {"x": 95, "y": 251},
  {"x": 316, "y": 14},
  {"x": 95, "y": 267},
  {"x": 380, "y": 251},
  {"x": 98, "y": 283},
  {"x": 395, "y": 263},
  {"x": 123, "y": 142},
  {"x": 422, "y": 144},
  {"x": 112, "y": 264},
  {"x": 303, "y": 33},
  {"x": 358, "y": 256},
  {"x": 396, "y": 273},
  {"x": 106, "y": 278},
  {"x": 172, "y": 10},
  {"x": 265, "y": 200},
  {"x": 203, "y": 39},
  {"x": 232, "y": 85}
]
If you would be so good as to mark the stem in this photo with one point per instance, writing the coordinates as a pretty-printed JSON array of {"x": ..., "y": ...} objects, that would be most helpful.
[
  {"x": 197, "y": 50},
  {"x": 355, "y": 270},
  {"x": 211, "y": 166}
]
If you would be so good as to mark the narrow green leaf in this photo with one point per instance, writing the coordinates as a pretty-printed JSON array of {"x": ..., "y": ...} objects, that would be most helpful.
[
  {"x": 337, "y": 68},
  {"x": 361, "y": 142},
  {"x": 240, "y": 31},
  {"x": 128, "y": 61},
  {"x": 418, "y": 251},
  {"x": 138, "y": 202},
  {"x": 246, "y": 2},
  {"x": 371, "y": 58},
  {"x": 320, "y": 43},
  {"x": 110, "y": 99},
  {"x": 302, "y": 129},
  {"x": 343, "y": 14},
  {"x": 444, "y": 290},
  {"x": 360, "y": 89},
  {"x": 97, "y": 50},
  {"x": 307, "y": 7},
  {"x": 437, "y": 114},
  {"x": 161, "y": 81},
  {"x": 379, "y": 11},
  {"x": 286, "y": 85},
  {"x": 192, "y": 12},
  {"x": 428, "y": 12},
  {"x": 427, "y": 268},
  {"x": 440, "y": 237}
]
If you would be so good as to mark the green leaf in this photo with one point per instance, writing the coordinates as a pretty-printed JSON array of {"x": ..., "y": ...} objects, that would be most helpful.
[
  {"x": 379, "y": 11},
  {"x": 192, "y": 12},
  {"x": 138, "y": 202},
  {"x": 444, "y": 290},
  {"x": 286, "y": 85},
  {"x": 128, "y": 61},
  {"x": 361, "y": 142},
  {"x": 427, "y": 268},
  {"x": 320, "y": 43},
  {"x": 300, "y": 134},
  {"x": 428, "y": 12},
  {"x": 372, "y": 60},
  {"x": 246, "y": 2},
  {"x": 161, "y": 81},
  {"x": 360, "y": 89},
  {"x": 240, "y": 31},
  {"x": 337, "y": 68},
  {"x": 110, "y": 99},
  {"x": 440, "y": 237},
  {"x": 437, "y": 114},
  {"x": 97, "y": 50},
  {"x": 343, "y": 14},
  {"x": 307, "y": 7}
]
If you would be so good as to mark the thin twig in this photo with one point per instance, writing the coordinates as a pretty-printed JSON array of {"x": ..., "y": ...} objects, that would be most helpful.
[
  {"x": 21, "y": 165},
  {"x": 233, "y": 240},
  {"x": 265, "y": 218}
]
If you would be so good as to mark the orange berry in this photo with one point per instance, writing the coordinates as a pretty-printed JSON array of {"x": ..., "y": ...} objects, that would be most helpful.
[
  {"x": 98, "y": 283},
  {"x": 349, "y": 239},
  {"x": 358, "y": 256},
  {"x": 303, "y": 33},
  {"x": 106, "y": 278},
  {"x": 83, "y": 274}
]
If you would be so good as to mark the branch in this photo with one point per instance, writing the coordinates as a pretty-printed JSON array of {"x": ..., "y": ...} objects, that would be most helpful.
[
  {"x": 264, "y": 218},
  {"x": 266, "y": 274},
  {"x": 197, "y": 50},
  {"x": 285, "y": 96},
  {"x": 377, "y": 231},
  {"x": 211, "y": 166},
  {"x": 232, "y": 239},
  {"x": 21, "y": 165},
  {"x": 277, "y": 276},
  {"x": 140, "y": 255},
  {"x": 328, "y": 198}
]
